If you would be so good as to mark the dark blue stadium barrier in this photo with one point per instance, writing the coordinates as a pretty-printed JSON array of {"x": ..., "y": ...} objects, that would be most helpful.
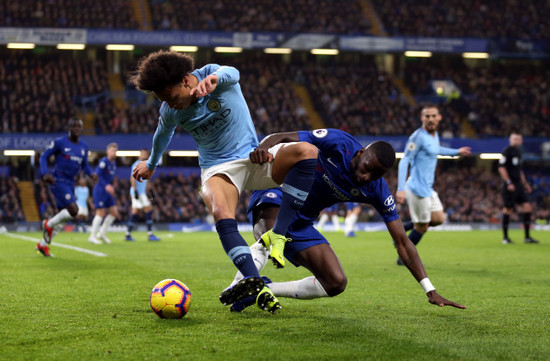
[
  {"x": 255, "y": 40},
  {"x": 39, "y": 142}
]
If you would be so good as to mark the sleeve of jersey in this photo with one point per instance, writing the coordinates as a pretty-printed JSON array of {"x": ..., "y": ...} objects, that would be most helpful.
[
  {"x": 411, "y": 149},
  {"x": 161, "y": 139},
  {"x": 502, "y": 160},
  {"x": 85, "y": 165},
  {"x": 227, "y": 75},
  {"x": 448, "y": 151},
  {"x": 100, "y": 170},
  {"x": 385, "y": 203},
  {"x": 321, "y": 138},
  {"x": 52, "y": 148}
]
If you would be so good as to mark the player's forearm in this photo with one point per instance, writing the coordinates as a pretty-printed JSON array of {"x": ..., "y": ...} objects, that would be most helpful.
[
  {"x": 402, "y": 173},
  {"x": 277, "y": 138},
  {"x": 448, "y": 151},
  {"x": 161, "y": 139},
  {"x": 504, "y": 174}
]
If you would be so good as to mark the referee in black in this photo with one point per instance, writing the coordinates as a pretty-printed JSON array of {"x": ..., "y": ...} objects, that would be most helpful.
[{"x": 515, "y": 187}]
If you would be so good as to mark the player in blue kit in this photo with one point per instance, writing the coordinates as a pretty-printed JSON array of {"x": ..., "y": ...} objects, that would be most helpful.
[
  {"x": 71, "y": 156},
  {"x": 421, "y": 154},
  {"x": 347, "y": 172},
  {"x": 353, "y": 209},
  {"x": 104, "y": 197},
  {"x": 82, "y": 193},
  {"x": 140, "y": 201},
  {"x": 209, "y": 105}
]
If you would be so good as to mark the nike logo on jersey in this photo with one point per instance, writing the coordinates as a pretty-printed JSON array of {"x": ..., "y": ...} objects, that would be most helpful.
[
  {"x": 331, "y": 162},
  {"x": 67, "y": 149}
]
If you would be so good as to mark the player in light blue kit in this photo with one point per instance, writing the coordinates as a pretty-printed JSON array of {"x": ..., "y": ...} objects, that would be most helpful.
[
  {"x": 421, "y": 154},
  {"x": 347, "y": 172},
  {"x": 209, "y": 105},
  {"x": 104, "y": 197},
  {"x": 140, "y": 201},
  {"x": 71, "y": 156},
  {"x": 82, "y": 193}
]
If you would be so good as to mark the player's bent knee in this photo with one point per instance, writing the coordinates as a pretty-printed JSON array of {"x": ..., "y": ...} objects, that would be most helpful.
[{"x": 336, "y": 287}]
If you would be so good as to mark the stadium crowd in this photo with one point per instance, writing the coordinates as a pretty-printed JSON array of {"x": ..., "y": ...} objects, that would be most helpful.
[
  {"x": 269, "y": 15},
  {"x": 39, "y": 93},
  {"x": 10, "y": 202},
  {"x": 107, "y": 14},
  {"x": 466, "y": 18}
]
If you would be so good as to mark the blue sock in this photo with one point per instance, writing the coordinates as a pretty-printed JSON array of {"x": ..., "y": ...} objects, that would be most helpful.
[
  {"x": 131, "y": 223},
  {"x": 296, "y": 188},
  {"x": 149, "y": 220},
  {"x": 236, "y": 247},
  {"x": 408, "y": 226},
  {"x": 415, "y": 236}
]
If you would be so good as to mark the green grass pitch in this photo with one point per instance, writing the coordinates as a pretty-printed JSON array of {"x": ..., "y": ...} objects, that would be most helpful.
[{"x": 78, "y": 306}]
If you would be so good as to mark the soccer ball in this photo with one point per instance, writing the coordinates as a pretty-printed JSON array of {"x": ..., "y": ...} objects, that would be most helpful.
[{"x": 170, "y": 299}]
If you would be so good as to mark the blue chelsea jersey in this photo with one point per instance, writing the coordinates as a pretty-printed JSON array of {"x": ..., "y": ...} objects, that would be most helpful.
[
  {"x": 421, "y": 153},
  {"x": 333, "y": 182},
  {"x": 220, "y": 122},
  {"x": 105, "y": 171},
  {"x": 70, "y": 158}
]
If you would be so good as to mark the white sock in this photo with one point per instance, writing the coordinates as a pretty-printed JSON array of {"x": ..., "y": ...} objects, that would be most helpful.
[
  {"x": 43, "y": 242},
  {"x": 106, "y": 224},
  {"x": 60, "y": 218},
  {"x": 350, "y": 223},
  {"x": 95, "y": 226},
  {"x": 259, "y": 255},
  {"x": 322, "y": 221},
  {"x": 305, "y": 289},
  {"x": 336, "y": 222}
]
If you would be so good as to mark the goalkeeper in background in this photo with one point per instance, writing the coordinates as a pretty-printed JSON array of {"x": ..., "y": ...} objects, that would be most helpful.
[{"x": 140, "y": 201}]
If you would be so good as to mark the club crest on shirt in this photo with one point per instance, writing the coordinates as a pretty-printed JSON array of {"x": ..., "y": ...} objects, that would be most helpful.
[
  {"x": 271, "y": 195},
  {"x": 213, "y": 105},
  {"x": 355, "y": 192},
  {"x": 412, "y": 146}
]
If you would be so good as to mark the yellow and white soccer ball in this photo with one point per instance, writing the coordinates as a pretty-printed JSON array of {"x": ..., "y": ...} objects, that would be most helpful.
[{"x": 170, "y": 298}]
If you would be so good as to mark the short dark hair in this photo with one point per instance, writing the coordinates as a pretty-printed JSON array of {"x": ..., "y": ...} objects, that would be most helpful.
[
  {"x": 515, "y": 131},
  {"x": 160, "y": 70},
  {"x": 384, "y": 152},
  {"x": 428, "y": 106}
]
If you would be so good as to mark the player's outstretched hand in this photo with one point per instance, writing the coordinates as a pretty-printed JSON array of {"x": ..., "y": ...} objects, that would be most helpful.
[
  {"x": 205, "y": 86},
  {"x": 464, "y": 151},
  {"x": 435, "y": 299},
  {"x": 142, "y": 172},
  {"x": 260, "y": 156},
  {"x": 48, "y": 178},
  {"x": 400, "y": 197}
]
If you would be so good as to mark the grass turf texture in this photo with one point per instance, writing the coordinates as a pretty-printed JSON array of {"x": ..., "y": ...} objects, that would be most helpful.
[{"x": 78, "y": 306}]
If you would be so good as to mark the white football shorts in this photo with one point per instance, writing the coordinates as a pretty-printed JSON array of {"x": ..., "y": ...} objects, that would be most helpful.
[
  {"x": 140, "y": 203},
  {"x": 83, "y": 211},
  {"x": 421, "y": 208},
  {"x": 244, "y": 174}
]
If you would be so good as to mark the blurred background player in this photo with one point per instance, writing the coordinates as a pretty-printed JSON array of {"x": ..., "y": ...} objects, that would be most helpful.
[
  {"x": 347, "y": 172},
  {"x": 71, "y": 156},
  {"x": 104, "y": 197},
  {"x": 421, "y": 154},
  {"x": 140, "y": 201},
  {"x": 82, "y": 194},
  {"x": 353, "y": 209},
  {"x": 332, "y": 213},
  {"x": 515, "y": 187}
]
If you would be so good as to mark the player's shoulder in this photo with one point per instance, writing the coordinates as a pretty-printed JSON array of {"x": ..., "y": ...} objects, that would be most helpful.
[{"x": 205, "y": 70}]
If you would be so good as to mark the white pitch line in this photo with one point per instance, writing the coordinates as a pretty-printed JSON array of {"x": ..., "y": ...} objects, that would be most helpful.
[{"x": 78, "y": 249}]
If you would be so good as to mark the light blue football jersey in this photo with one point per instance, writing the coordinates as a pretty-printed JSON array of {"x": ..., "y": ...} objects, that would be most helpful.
[
  {"x": 421, "y": 154},
  {"x": 82, "y": 194},
  {"x": 141, "y": 187},
  {"x": 220, "y": 122}
]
